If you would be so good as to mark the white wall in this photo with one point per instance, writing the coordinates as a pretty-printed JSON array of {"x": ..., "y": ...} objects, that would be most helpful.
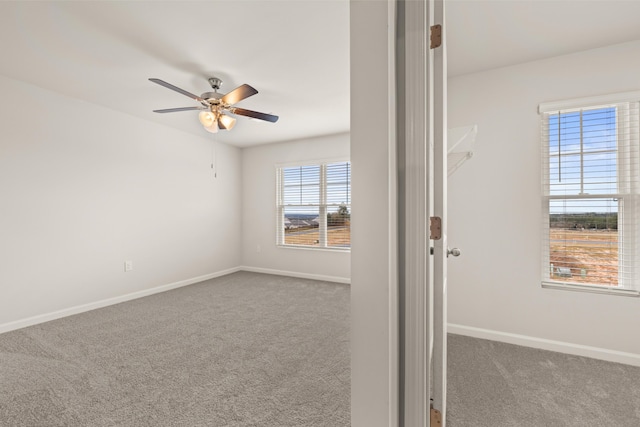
[
  {"x": 84, "y": 188},
  {"x": 259, "y": 210},
  {"x": 495, "y": 206}
]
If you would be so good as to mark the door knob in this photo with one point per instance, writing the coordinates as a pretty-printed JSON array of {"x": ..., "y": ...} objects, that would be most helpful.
[{"x": 454, "y": 252}]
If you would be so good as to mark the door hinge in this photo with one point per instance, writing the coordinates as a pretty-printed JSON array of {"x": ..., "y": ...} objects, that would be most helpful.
[
  {"x": 436, "y": 418},
  {"x": 436, "y": 36},
  {"x": 435, "y": 228}
]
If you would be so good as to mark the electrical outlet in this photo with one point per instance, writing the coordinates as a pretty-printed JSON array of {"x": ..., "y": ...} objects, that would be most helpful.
[{"x": 128, "y": 265}]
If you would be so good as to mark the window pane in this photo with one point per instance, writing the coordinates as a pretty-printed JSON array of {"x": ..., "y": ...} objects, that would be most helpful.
[
  {"x": 339, "y": 183},
  {"x": 564, "y": 176},
  {"x": 568, "y": 136},
  {"x": 583, "y": 241},
  {"x": 339, "y": 204},
  {"x": 301, "y": 225},
  {"x": 600, "y": 173},
  {"x": 583, "y": 152},
  {"x": 599, "y": 129},
  {"x": 339, "y": 226},
  {"x": 301, "y": 185}
]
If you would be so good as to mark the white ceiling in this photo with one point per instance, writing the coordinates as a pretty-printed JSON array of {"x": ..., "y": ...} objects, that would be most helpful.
[
  {"x": 295, "y": 52},
  {"x": 486, "y": 34}
]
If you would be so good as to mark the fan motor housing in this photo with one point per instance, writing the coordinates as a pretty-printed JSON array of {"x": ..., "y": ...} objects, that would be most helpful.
[{"x": 211, "y": 96}]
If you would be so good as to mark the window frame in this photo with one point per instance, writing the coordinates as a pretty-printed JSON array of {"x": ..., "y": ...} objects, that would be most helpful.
[
  {"x": 322, "y": 206},
  {"x": 625, "y": 234}
]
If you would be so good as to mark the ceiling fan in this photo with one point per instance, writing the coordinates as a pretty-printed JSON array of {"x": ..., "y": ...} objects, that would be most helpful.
[{"x": 214, "y": 105}]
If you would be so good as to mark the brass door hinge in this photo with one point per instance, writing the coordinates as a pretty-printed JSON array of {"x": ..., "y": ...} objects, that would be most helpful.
[
  {"x": 435, "y": 228},
  {"x": 436, "y": 418},
  {"x": 436, "y": 36}
]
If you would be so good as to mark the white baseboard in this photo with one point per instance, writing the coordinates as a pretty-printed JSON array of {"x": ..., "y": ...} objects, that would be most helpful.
[
  {"x": 296, "y": 274},
  {"x": 545, "y": 344},
  {"x": 41, "y": 318}
]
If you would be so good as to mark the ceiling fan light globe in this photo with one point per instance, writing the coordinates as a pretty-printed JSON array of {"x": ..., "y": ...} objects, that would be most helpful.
[
  {"x": 213, "y": 128},
  {"x": 228, "y": 121},
  {"x": 207, "y": 118}
]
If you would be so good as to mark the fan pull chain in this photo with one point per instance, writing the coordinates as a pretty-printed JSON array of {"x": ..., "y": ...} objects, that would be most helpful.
[{"x": 213, "y": 160}]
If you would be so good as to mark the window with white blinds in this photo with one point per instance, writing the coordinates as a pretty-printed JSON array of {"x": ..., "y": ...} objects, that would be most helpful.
[
  {"x": 591, "y": 184},
  {"x": 314, "y": 205}
]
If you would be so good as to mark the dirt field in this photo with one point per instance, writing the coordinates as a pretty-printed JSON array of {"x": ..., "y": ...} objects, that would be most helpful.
[
  {"x": 336, "y": 237},
  {"x": 582, "y": 251}
]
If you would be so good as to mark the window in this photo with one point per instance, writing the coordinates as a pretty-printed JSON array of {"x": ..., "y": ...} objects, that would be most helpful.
[
  {"x": 590, "y": 194},
  {"x": 314, "y": 205}
]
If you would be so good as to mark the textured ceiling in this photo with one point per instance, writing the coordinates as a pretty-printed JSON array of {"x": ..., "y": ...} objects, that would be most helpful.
[{"x": 295, "y": 53}]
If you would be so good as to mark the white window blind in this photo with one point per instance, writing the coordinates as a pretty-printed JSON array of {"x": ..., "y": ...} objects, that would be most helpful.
[
  {"x": 313, "y": 206},
  {"x": 591, "y": 185}
]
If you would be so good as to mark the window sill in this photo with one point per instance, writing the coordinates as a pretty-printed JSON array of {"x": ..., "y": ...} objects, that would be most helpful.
[
  {"x": 313, "y": 248},
  {"x": 591, "y": 288}
]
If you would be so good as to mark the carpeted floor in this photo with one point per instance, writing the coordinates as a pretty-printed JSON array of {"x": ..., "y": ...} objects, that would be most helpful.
[
  {"x": 241, "y": 350},
  {"x": 494, "y": 384},
  {"x": 258, "y": 350}
]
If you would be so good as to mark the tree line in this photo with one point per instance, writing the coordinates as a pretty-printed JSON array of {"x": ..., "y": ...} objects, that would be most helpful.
[{"x": 590, "y": 220}]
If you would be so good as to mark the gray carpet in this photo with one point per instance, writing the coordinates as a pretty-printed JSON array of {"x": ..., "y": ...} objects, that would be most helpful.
[
  {"x": 498, "y": 385},
  {"x": 257, "y": 350},
  {"x": 241, "y": 350}
]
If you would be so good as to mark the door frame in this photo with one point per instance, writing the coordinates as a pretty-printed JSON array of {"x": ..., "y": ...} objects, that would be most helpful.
[
  {"x": 374, "y": 270},
  {"x": 415, "y": 90},
  {"x": 391, "y": 266}
]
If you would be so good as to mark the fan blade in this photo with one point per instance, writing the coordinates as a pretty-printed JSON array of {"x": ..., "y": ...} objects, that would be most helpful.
[
  {"x": 177, "y": 89},
  {"x": 174, "y": 110},
  {"x": 254, "y": 114},
  {"x": 238, "y": 94}
]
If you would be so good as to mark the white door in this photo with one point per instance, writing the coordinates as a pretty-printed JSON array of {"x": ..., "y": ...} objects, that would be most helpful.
[{"x": 422, "y": 195}]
